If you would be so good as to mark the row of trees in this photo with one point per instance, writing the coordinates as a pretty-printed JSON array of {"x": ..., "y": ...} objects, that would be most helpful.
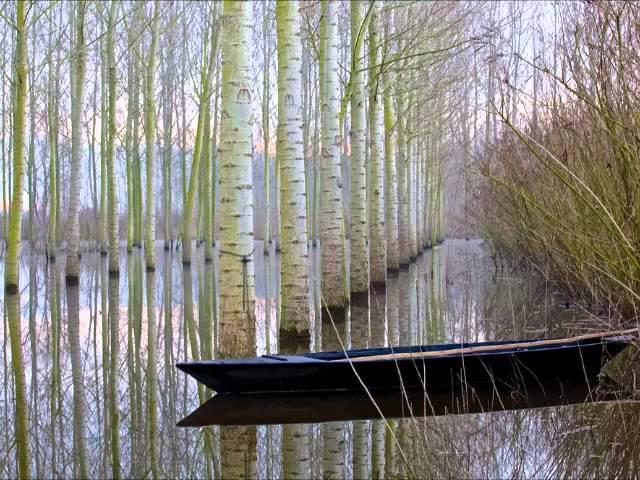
[
  {"x": 360, "y": 124},
  {"x": 374, "y": 83}
]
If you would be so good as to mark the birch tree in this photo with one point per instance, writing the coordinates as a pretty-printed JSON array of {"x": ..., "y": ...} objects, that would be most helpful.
[
  {"x": 167, "y": 138},
  {"x": 103, "y": 211},
  {"x": 20, "y": 98},
  {"x": 52, "y": 131},
  {"x": 112, "y": 200},
  {"x": 359, "y": 255},
  {"x": 332, "y": 241},
  {"x": 378, "y": 253},
  {"x": 77, "y": 98},
  {"x": 150, "y": 135},
  {"x": 391, "y": 181},
  {"x": 129, "y": 161},
  {"x": 401, "y": 164},
  {"x": 294, "y": 269},
  {"x": 266, "y": 84}
]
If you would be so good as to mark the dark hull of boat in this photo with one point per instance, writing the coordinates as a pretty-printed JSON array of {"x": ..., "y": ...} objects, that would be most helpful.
[{"x": 578, "y": 361}]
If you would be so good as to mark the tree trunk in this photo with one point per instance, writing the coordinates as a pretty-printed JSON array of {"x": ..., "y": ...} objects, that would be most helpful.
[
  {"x": 359, "y": 256},
  {"x": 391, "y": 182},
  {"x": 377, "y": 229},
  {"x": 167, "y": 148},
  {"x": 150, "y": 137},
  {"x": 12, "y": 291},
  {"x": 411, "y": 181},
  {"x": 52, "y": 130},
  {"x": 20, "y": 98},
  {"x": 77, "y": 97},
  {"x": 103, "y": 213},
  {"x": 334, "y": 283},
  {"x": 137, "y": 210},
  {"x": 129, "y": 152},
  {"x": 403, "y": 205},
  {"x": 294, "y": 274},
  {"x": 266, "y": 57},
  {"x": 112, "y": 200}
]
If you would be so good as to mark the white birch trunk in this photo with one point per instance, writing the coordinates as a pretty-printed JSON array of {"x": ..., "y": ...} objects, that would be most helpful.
[
  {"x": 391, "y": 184},
  {"x": 377, "y": 229},
  {"x": 359, "y": 255},
  {"x": 294, "y": 273},
  {"x": 411, "y": 188},
  {"x": 236, "y": 200},
  {"x": 150, "y": 136},
  {"x": 77, "y": 85},
  {"x": 112, "y": 200},
  {"x": 403, "y": 198},
  {"x": 334, "y": 281}
]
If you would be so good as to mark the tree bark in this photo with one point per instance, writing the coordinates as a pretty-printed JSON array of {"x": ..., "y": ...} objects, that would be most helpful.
[
  {"x": 112, "y": 200},
  {"x": 150, "y": 136},
  {"x": 334, "y": 282},
  {"x": 77, "y": 98},
  {"x": 359, "y": 255},
  {"x": 295, "y": 310},
  {"x": 377, "y": 229}
]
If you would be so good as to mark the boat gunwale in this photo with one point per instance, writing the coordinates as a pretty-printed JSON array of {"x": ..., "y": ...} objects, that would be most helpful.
[{"x": 310, "y": 359}]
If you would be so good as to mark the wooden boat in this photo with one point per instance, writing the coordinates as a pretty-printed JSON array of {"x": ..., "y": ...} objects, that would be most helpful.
[{"x": 432, "y": 368}]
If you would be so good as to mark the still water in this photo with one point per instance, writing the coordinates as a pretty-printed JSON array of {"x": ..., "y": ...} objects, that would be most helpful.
[{"x": 102, "y": 389}]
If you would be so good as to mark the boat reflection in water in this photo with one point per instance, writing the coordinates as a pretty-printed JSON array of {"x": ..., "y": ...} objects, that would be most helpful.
[{"x": 316, "y": 407}]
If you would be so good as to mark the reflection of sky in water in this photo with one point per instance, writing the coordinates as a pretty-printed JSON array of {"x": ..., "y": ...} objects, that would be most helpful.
[{"x": 453, "y": 293}]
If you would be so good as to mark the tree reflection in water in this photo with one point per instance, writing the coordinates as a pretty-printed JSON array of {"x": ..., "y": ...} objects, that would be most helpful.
[{"x": 104, "y": 351}]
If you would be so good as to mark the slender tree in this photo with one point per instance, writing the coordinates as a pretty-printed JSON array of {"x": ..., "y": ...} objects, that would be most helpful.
[
  {"x": 19, "y": 119},
  {"x": 52, "y": 131},
  {"x": 150, "y": 136},
  {"x": 137, "y": 209},
  {"x": 167, "y": 137},
  {"x": 112, "y": 200},
  {"x": 377, "y": 231},
  {"x": 401, "y": 166},
  {"x": 359, "y": 255},
  {"x": 206, "y": 78},
  {"x": 77, "y": 100},
  {"x": 391, "y": 181},
  {"x": 103, "y": 212},
  {"x": 129, "y": 160},
  {"x": 266, "y": 84}
]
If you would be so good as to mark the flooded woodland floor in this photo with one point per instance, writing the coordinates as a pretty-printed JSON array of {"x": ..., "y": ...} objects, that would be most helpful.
[{"x": 102, "y": 386}]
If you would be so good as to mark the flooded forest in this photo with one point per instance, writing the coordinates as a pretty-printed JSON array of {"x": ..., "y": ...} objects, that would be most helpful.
[{"x": 197, "y": 180}]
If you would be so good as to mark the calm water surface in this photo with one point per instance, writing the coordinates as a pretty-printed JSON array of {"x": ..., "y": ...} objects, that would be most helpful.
[{"x": 101, "y": 382}]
